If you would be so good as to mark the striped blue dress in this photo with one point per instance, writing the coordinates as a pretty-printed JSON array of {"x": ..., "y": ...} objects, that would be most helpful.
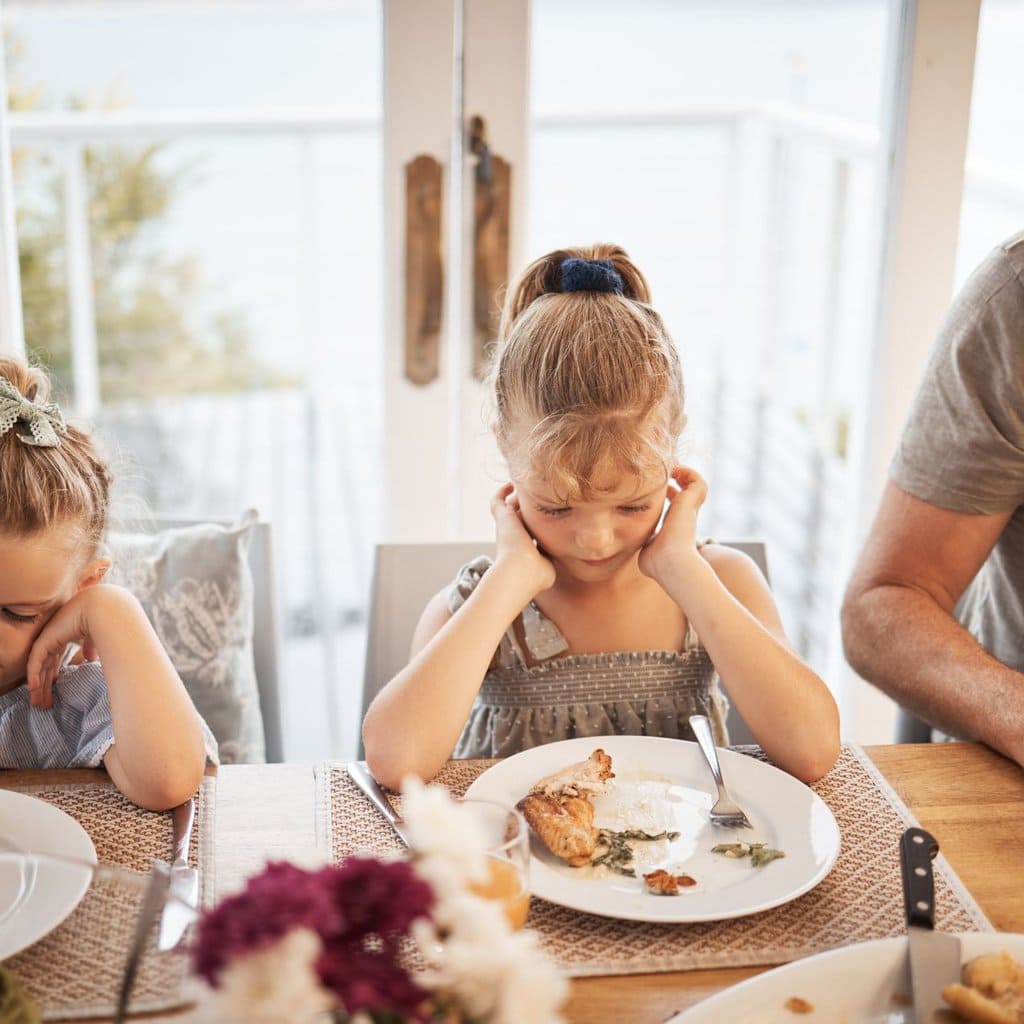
[{"x": 75, "y": 733}]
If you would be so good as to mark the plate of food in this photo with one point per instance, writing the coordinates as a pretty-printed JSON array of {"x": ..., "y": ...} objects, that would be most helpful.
[
  {"x": 620, "y": 828},
  {"x": 869, "y": 983},
  {"x": 35, "y": 898}
]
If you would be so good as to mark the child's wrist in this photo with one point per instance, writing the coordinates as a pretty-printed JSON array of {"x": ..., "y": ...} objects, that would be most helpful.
[
  {"x": 682, "y": 571},
  {"x": 524, "y": 577}
]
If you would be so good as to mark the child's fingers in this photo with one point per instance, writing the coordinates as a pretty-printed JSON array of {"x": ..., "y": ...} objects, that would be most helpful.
[
  {"x": 45, "y": 661},
  {"x": 42, "y": 671},
  {"x": 501, "y": 497},
  {"x": 689, "y": 483}
]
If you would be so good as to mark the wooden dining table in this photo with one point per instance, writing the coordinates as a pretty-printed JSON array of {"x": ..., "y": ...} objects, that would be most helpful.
[{"x": 969, "y": 798}]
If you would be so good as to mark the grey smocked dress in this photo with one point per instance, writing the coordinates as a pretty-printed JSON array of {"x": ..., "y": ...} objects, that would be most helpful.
[{"x": 534, "y": 693}]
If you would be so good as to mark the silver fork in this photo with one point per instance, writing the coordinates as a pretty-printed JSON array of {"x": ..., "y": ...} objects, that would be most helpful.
[{"x": 725, "y": 811}]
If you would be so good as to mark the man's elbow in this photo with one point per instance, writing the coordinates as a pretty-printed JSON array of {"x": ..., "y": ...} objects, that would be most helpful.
[{"x": 855, "y": 628}]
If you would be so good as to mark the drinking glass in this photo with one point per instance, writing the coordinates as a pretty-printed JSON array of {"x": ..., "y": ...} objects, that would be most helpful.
[{"x": 508, "y": 858}]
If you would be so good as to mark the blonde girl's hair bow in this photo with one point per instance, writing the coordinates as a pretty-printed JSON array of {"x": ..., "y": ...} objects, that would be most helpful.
[{"x": 44, "y": 420}]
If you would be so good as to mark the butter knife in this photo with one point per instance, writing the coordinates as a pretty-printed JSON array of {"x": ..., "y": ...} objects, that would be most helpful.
[
  {"x": 152, "y": 901},
  {"x": 934, "y": 956},
  {"x": 361, "y": 776},
  {"x": 183, "y": 889}
]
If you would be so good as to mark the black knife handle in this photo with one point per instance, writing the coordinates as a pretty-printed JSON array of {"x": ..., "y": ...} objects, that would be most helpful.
[{"x": 917, "y": 850}]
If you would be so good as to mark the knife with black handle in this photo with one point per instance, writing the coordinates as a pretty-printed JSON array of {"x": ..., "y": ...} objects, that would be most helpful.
[{"x": 934, "y": 956}]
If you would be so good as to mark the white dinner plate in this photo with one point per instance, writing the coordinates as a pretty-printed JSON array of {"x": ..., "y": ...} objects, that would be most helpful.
[
  {"x": 866, "y": 983},
  {"x": 664, "y": 784},
  {"x": 35, "y": 899}
]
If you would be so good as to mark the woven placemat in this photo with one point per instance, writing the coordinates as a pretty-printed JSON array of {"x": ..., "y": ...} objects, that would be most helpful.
[
  {"x": 75, "y": 970},
  {"x": 860, "y": 899}
]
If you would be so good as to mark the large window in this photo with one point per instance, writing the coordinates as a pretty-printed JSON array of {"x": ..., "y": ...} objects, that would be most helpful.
[
  {"x": 993, "y": 203},
  {"x": 734, "y": 150},
  {"x": 200, "y": 252},
  {"x": 213, "y": 256}
]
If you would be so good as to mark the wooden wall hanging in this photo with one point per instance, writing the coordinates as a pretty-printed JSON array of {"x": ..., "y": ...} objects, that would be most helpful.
[
  {"x": 424, "y": 275},
  {"x": 491, "y": 211}
]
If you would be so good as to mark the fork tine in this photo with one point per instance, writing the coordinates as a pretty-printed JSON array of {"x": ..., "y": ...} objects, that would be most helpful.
[
  {"x": 725, "y": 812},
  {"x": 730, "y": 821}
]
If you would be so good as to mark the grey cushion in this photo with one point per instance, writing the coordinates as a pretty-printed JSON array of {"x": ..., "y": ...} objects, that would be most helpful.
[{"x": 195, "y": 585}]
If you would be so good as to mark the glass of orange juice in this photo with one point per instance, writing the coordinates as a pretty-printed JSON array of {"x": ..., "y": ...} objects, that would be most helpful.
[{"x": 508, "y": 858}]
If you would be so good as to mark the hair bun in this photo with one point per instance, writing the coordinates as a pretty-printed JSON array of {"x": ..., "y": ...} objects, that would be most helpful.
[{"x": 590, "y": 276}]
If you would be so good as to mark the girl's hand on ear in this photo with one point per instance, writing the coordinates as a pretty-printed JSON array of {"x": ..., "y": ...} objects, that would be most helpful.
[
  {"x": 677, "y": 538},
  {"x": 514, "y": 543}
]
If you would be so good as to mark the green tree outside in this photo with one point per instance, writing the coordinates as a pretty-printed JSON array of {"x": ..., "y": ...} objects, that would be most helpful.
[{"x": 147, "y": 344}]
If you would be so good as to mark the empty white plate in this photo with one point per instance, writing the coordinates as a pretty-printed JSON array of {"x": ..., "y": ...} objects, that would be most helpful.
[{"x": 34, "y": 899}]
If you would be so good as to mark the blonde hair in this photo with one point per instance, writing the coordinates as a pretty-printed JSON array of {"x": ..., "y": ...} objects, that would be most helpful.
[
  {"x": 44, "y": 487},
  {"x": 584, "y": 379}
]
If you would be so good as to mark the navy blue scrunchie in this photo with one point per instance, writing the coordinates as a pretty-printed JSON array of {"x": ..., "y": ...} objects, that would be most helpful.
[{"x": 590, "y": 276}]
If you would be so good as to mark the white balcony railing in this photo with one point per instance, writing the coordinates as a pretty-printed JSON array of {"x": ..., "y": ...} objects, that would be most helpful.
[{"x": 294, "y": 458}]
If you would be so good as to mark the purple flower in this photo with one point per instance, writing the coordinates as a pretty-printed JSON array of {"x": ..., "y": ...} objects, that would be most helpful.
[
  {"x": 362, "y": 910},
  {"x": 376, "y": 905},
  {"x": 364, "y": 979},
  {"x": 281, "y": 898},
  {"x": 382, "y": 899}
]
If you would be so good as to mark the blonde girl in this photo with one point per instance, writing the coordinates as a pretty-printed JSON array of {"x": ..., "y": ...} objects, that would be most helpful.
[
  {"x": 122, "y": 704},
  {"x": 601, "y": 612}
]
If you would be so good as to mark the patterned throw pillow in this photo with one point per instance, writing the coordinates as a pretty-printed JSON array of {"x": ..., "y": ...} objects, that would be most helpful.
[{"x": 195, "y": 585}]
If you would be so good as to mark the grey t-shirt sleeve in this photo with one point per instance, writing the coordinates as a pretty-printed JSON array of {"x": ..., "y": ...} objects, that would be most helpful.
[{"x": 962, "y": 447}]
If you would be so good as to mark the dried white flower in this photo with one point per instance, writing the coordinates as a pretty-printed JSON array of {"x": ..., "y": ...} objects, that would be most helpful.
[
  {"x": 494, "y": 974},
  {"x": 276, "y": 985},
  {"x": 506, "y": 979},
  {"x": 448, "y": 840}
]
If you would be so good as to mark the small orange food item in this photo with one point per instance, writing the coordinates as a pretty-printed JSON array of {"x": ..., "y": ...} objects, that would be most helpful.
[
  {"x": 797, "y": 1005},
  {"x": 664, "y": 883}
]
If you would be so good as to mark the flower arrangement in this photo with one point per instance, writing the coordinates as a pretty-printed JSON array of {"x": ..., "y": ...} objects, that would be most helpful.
[{"x": 373, "y": 941}]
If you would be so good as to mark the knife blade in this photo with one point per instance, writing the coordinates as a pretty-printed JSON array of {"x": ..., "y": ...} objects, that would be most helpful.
[
  {"x": 183, "y": 888},
  {"x": 934, "y": 956},
  {"x": 152, "y": 899},
  {"x": 360, "y": 774}
]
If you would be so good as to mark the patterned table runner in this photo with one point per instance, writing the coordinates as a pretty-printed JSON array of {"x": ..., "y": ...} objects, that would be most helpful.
[
  {"x": 75, "y": 971},
  {"x": 860, "y": 899}
]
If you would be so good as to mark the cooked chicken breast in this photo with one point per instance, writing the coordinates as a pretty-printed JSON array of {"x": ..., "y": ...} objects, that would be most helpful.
[
  {"x": 580, "y": 779},
  {"x": 564, "y": 824}
]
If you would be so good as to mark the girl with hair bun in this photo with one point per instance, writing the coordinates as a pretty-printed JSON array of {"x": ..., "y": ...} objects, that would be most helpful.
[
  {"x": 122, "y": 704},
  {"x": 602, "y": 612}
]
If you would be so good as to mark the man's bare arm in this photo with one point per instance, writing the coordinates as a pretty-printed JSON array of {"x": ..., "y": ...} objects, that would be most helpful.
[{"x": 899, "y": 632}]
